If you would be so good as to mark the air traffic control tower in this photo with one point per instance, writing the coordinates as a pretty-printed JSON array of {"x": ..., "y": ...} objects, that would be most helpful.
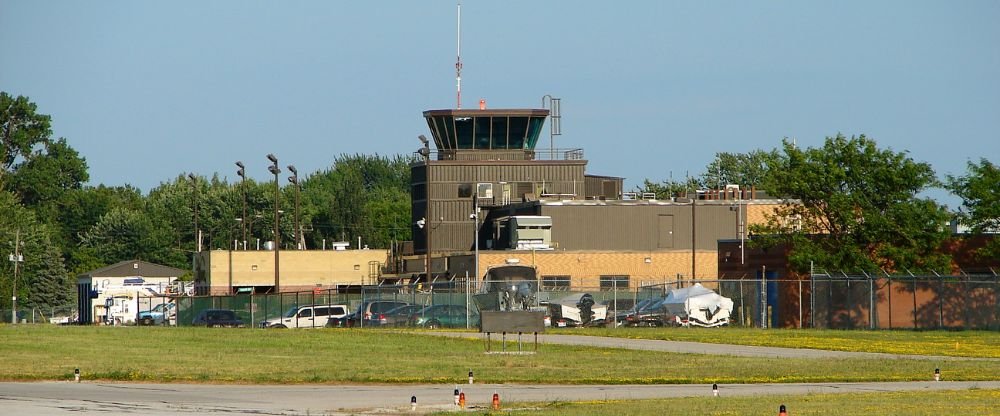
[{"x": 484, "y": 159}]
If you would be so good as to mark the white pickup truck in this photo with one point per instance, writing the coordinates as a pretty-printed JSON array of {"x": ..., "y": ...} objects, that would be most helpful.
[{"x": 308, "y": 316}]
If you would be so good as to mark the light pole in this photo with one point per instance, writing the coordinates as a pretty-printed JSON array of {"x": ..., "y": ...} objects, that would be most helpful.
[
  {"x": 17, "y": 257},
  {"x": 475, "y": 229},
  {"x": 277, "y": 237},
  {"x": 294, "y": 179},
  {"x": 242, "y": 172},
  {"x": 194, "y": 188},
  {"x": 231, "y": 248},
  {"x": 426, "y": 153}
]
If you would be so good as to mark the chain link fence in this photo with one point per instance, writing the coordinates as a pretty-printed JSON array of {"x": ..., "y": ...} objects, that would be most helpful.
[
  {"x": 847, "y": 301},
  {"x": 253, "y": 309},
  {"x": 48, "y": 315},
  {"x": 829, "y": 301}
]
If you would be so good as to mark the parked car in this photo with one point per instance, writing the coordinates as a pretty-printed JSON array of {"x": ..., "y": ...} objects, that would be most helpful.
[
  {"x": 621, "y": 318},
  {"x": 217, "y": 318},
  {"x": 368, "y": 312},
  {"x": 308, "y": 316},
  {"x": 397, "y": 316},
  {"x": 159, "y": 315},
  {"x": 444, "y": 316},
  {"x": 652, "y": 313}
]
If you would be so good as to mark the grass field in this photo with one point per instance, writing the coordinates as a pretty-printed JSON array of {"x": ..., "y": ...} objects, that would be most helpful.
[
  {"x": 29, "y": 352},
  {"x": 947, "y": 343},
  {"x": 932, "y": 403}
]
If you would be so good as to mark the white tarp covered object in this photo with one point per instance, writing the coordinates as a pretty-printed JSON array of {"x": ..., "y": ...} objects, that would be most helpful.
[
  {"x": 699, "y": 306},
  {"x": 574, "y": 307}
]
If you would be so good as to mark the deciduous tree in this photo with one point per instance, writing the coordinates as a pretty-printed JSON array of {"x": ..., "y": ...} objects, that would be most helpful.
[
  {"x": 852, "y": 206},
  {"x": 979, "y": 189}
]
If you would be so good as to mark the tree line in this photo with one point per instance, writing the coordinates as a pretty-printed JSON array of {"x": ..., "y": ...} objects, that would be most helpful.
[
  {"x": 67, "y": 227},
  {"x": 851, "y": 205},
  {"x": 863, "y": 201}
]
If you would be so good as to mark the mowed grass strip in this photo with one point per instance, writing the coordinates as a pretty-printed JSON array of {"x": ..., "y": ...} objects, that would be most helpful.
[
  {"x": 29, "y": 352},
  {"x": 983, "y": 344},
  {"x": 929, "y": 403}
]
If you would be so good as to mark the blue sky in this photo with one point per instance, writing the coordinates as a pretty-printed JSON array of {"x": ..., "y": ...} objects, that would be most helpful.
[{"x": 149, "y": 90}]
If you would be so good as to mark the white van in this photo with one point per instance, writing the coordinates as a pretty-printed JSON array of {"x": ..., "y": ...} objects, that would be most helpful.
[{"x": 309, "y": 316}]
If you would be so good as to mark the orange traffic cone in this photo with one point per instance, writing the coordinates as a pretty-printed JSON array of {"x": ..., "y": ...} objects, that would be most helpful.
[
  {"x": 461, "y": 400},
  {"x": 782, "y": 411},
  {"x": 496, "y": 401}
]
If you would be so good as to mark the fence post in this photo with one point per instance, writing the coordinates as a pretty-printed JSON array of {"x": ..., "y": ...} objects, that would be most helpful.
[
  {"x": 812, "y": 300},
  {"x": 965, "y": 302},
  {"x": 940, "y": 303},
  {"x": 996, "y": 299},
  {"x": 800, "y": 303},
  {"x": 829, "y": 302},
  {"x": 743, "y": 310},
  {"x": 850, "y": 305},
  {"x": 871, "y": 301},
  {"x": 763, "y": 297},
  {"x": 888, "y": 282},
  {"x": 914, "y": 302}
]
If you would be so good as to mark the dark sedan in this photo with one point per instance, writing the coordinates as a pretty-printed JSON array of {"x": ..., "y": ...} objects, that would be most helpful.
[{"x": 218, "y": 318}]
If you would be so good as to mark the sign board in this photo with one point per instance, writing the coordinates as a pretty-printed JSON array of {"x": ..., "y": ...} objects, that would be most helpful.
[{"x": 513, "y": 321}]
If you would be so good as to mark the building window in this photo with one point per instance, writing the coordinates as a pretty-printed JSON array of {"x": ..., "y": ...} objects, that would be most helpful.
[
  {"x": 618, "y": 282},
  {"x": 555, "y": 282}
]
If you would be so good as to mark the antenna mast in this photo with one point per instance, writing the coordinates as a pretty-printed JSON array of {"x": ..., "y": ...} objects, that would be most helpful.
[{"x": 458, "y": 62}]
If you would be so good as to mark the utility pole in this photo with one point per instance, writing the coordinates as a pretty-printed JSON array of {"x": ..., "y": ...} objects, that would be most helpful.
[{"x": 17, "y": 257}]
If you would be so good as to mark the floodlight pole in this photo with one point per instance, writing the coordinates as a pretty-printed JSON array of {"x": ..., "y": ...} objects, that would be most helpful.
[
  {"x": 277, "y": 236},
  {"x": 197, "y": 236},
  {"x": 426, "y": 153},
  {"x": 294, "y": 179},
  {"x": 243, "y": 185}
]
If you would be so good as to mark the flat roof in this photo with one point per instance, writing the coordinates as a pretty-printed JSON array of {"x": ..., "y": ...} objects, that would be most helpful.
[{"x": 492, "y": 112}]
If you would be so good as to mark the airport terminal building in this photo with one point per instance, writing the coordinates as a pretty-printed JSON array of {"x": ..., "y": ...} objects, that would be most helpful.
[{"x": 484, "y": 190}]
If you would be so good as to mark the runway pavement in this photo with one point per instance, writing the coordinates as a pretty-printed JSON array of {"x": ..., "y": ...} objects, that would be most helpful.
[
  {"x": 54, "y": 398},
  {"x": 68, "y": 398}
]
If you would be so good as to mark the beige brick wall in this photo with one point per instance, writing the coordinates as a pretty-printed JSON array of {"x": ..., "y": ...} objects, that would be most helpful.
[
  {"x": 300, "y": 269},
  {"x": 757, "y": 213},
  {"x": 586, "y": 267}
]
